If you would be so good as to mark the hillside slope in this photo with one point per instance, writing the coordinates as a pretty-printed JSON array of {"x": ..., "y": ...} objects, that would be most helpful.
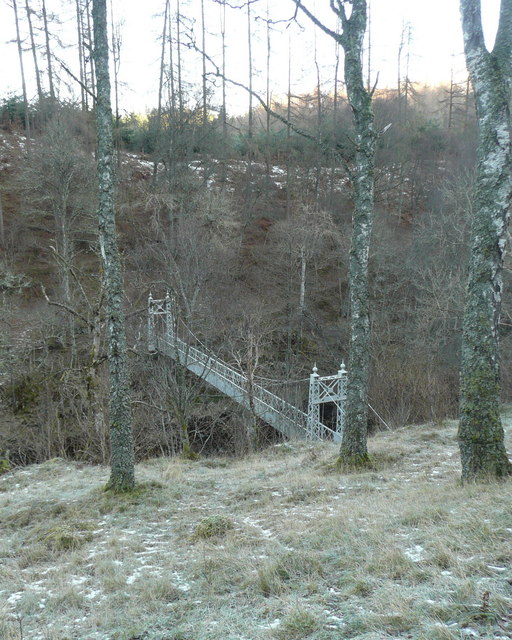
[{"x": 274, "y": 546}]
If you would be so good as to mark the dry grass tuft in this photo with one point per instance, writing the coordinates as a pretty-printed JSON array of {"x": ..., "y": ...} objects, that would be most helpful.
[{"x": 212, "y": 527}]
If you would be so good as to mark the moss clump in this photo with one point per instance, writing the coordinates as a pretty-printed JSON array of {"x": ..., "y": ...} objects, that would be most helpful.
[
  {"x": 189, "y": 454},
  {"x": 212, "y": 527},
  {"x": 348, "y": 463},
  {"x": 65, "y": 537},
  {"x": 113, "y": 500},
  {"x": 5, "y": 465}
]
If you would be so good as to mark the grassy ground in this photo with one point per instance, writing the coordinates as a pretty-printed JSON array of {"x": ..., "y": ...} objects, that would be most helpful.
[{"x": 276, "y": 546}]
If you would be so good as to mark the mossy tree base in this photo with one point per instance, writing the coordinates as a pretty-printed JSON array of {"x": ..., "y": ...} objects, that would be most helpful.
[
  {"x": 484, "y": 461},
  {"x": 348, "y": 462},
  {"x": 118, "y": 486},
  {"x": 121, "y": 484},
  {"x": 135, "y": 491}
]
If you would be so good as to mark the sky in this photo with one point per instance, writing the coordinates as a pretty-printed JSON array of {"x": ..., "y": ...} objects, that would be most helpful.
[{"x": 435, "y": 50}]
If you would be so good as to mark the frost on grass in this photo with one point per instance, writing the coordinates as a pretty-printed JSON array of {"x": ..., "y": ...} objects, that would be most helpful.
[{"x": 295, "y": 550}]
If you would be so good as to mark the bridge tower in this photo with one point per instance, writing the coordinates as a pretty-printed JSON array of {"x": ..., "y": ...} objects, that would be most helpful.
[{"x": 324, "y": 389}]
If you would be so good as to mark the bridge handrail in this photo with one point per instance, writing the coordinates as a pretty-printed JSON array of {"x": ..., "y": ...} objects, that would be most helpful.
[{"x": 216, "y": 365}]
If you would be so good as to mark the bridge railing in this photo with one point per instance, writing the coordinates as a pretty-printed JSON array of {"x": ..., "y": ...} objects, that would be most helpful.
[{"x": 209, "y": 366}]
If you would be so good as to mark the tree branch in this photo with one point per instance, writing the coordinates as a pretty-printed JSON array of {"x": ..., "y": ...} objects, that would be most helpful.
[
  {"x": 503, "y": 43},
  {"x": 218, "y": 74},
  {"x": 77, "y": 80},
  {"x": 474, "y": 42},
  {"x": 67, "y": 308},
  {"x": 285, "y": 121},
  {"x": 317, "y": 22},
  {"x": 235, "y": 6}
]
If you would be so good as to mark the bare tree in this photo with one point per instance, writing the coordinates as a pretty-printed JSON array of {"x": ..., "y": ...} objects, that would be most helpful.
[
  {"x": 48, "y": 50},
  {"x": 481, "y": 438},
  {"x": 22, "y": 67},
  {"x": 122, "y": 477},
  {"x": 57, "y": 180},
  {"x": 203, "y": 57},
  {"x": 80, "y": 55},
  {"x": 33, "y": 48}
]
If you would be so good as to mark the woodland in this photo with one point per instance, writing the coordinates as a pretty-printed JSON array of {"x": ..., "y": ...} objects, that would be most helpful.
[
  {"x": 248, "y": 221},
  {"x": 347, "y": 224}
]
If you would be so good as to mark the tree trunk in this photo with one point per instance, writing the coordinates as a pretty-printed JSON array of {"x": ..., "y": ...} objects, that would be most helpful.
[
  {"x": 156, "y": 158},
  {"x": 29, "y": 12},
  {"x": 22, "y": 69},
  {"x": 335, "y": 116},
  {"x": 353, "y": 451},
  {"x": 249, "y": 52},
  {"x": 2, "y": 227},
  {"x": 224, "y": 107},
  {"x": 354, "y": 444},
  {"x": 203, "y": 45},
  {"x": 481, "y": 438},
  {"x": 122, "y": 476},
  {"x": 318, "y": 169},
  {"x": 48, "y": 52},
  {"x": 116, "y": 64},
  {"x": 268, "y": 101},
  {"x": 79, "y": 26},
  {"x": 181, "y": 114},
  {"x": 90, "y": 45}
]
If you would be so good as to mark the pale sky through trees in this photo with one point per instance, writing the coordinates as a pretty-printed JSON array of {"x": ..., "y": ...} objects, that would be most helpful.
[{"x": 435, "y": 48}]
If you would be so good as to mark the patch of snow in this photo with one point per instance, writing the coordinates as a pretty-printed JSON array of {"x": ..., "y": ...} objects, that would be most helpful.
[
  {"x": 181, "y": 584},
  {"x": 415, "y": 553},
  {"x": 13, "y": 599}
]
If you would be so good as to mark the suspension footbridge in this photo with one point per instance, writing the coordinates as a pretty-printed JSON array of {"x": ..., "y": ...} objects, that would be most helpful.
[{"x": 276, "y": 411}]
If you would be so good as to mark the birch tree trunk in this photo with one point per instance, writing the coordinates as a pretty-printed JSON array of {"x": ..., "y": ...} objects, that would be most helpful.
[
  {"x": 354, "y": 451},
  {"x": 481, "y": 438},
  {"x": 122, "y": 476}
]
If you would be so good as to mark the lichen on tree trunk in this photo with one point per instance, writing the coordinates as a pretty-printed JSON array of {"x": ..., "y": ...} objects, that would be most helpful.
[
  {"x": 354, "y": 452},
  {"x": 481, "y": 437},
  {"x": 122, "y": 477}
]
